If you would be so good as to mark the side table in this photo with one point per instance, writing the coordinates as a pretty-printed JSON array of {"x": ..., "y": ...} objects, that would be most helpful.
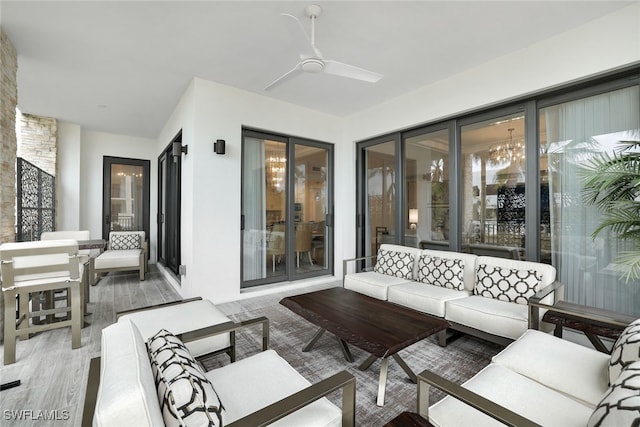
[{"x": 593, "y": 322}]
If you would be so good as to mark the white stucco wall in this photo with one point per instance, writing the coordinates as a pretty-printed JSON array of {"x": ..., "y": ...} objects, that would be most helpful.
[
  {"x": 96, "y": 145},
  {"x": 68, "y": 177}
]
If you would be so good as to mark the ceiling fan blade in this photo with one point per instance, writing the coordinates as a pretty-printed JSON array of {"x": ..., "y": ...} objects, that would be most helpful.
[
  {"x": 345, "y": 70},
  {"x": 288, "y": 76},
  {"x": 303, "y": 44}
]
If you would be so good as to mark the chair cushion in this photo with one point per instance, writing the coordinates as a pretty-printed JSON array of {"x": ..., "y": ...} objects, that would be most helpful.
[
  {"x": 506, "y": 284},
  {"x": 394, "y": 263},
  {"x": 118, "y": 259},
  {"x": 122, "y": 241},
  {"x": 186, "y": 396},
  {"x": 371, "y": 283},
  {"x": 425, "y": 298},
  {"x": 493, "y": 316},
  {"x": 569, "y": 368},
  {"x": 443, "y": 272},
  {"x": 180, "y": 318},
  {"x": 625, "y": 351},
  {"x": 516, "y": 392},
  {"x": 262, "y": 379},
  {"x": 127, "y": 394},
  {"x": 620, "y": 405}
]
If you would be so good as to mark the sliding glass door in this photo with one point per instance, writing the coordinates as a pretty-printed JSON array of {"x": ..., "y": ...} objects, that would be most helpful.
[{"x": 287, "y": 208}]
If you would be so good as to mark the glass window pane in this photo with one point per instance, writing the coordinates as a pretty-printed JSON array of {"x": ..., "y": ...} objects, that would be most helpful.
[
  {"x": 493, "y": 185},
  {"x": 380, "y": 198},
  {"x": 427, "y": 189},
  {"x": 570, "y": 134},
  {"x": 126, "y": 197}
]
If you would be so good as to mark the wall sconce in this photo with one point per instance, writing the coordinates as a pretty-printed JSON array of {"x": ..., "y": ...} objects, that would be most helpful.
[
  {"x": 218, "y": 146},
  {"x": 413, "y": 219},
  {"x": 177, "y": 149}
]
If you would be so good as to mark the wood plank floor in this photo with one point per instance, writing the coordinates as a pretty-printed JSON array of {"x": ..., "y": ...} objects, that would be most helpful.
[{"x": 53, "y": 376}]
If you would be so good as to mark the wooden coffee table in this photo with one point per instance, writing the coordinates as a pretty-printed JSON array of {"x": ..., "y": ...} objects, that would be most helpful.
[{"x": 378, "y": 327}]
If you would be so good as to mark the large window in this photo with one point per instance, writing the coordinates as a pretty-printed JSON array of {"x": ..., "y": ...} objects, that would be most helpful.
[
  {"x": 571, "y": 133},
  {"x": 505, "y": 182},
  {"x": 287, "y": 208}
]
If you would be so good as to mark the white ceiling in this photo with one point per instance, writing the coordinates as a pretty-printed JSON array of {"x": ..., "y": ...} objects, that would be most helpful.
[{"x": 121, "y": 67}]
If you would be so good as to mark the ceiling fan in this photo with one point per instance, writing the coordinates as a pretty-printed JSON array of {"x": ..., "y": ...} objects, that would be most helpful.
[{"x": 312, "y": 61}]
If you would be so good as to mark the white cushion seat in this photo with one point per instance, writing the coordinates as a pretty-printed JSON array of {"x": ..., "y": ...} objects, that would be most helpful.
[
  {"x": 372, "y": 284},
  {"x": 520, "y": 394},
  {"x": 566, "y": 371},
  {"x": 277, "y": 381},
  {"x": 502, "y": 318},
  {"x": 121, "y": 258},
  {"x": 425, "y": 298},
  {"x": 181, "y": 318}
]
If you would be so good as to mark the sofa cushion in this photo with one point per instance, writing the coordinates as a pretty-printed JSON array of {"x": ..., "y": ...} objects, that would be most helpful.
[
  {"x": 443, "y": 272},
  {"x": 373, "y": 284},
  {"x": 493, "y": 316},
  {"x": 271, "y": 378},
  {"x": 122, "y": 241},
  {"x": 572, "y": 369},
  {"x": 425, "y": 298},
  {"x": 118, "y": 259},
  {"x": 506, "y": 284},
  {"x": 127, "y": 394},
  {"x": 180, "y": 318},
  {"x": 547, "y": 272},
  {"x": 520, "y": 394},
  {"x": 394, "y": 263},
  {"x": 620, "y": 405},
  {"x": 468, "y": 262},
  {"x": 625, "y": 351},
  {"x": 186, "y": 396}
]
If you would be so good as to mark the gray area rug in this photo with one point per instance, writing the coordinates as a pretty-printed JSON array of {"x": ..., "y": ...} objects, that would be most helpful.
[{"x": 459, "y": 361}]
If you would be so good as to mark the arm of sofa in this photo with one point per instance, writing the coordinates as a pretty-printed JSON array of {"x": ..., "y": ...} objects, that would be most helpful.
[
  {"x": 228, "y": 327},
  {"x": 91, "y": 394},
  {"x": 492, "y": 409},
  {"x": 280, "y": 409},
  {"x": 556, "y": 288},
  {"x": 346, "y": 261},
  {"x": 119, "y": 314}
]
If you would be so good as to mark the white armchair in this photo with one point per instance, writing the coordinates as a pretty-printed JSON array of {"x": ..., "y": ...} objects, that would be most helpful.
[{"x": 126, "y": 251}]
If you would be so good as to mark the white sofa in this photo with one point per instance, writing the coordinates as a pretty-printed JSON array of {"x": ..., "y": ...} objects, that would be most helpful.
[
  {"x": 127, "y": 385},
  {"x": 543, "y": 380},
  {"x": 126, "y": 251},
  {"x": 451, "y": 290}
]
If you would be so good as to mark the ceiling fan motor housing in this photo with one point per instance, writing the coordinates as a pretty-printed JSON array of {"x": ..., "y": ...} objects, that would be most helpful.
[{"x": 312, "y": 65}]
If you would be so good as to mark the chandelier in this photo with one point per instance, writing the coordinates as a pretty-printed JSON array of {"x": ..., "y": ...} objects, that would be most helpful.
[
  {"x": 507, "y": 151},
  {"x": 276, "y": 170}
]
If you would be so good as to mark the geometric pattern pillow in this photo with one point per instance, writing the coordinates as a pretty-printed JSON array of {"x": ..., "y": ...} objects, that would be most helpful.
[
  {"x": 392, "y": 263},
  {"x": 506, "y": 284},
  {"x": 444, "y": 272},
  {"x": 625, "y": 351},
  {"x": 620, "y": 405},
  {"x": 186, "y": 396},
  {"x": 125, "y": 241}
]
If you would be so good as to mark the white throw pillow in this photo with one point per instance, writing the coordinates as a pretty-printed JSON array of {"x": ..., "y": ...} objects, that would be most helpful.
[
  {"x": 186, "y": 396},
  {"x": 444, "y": 272},
  {"x": 625, "y": 351},
  {"x": 393, "y": 263},
  {"x": 620, "y": 405},
  {"x": 506, "y": 284}
]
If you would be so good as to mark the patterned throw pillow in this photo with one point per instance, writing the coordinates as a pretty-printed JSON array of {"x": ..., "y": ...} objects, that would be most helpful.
[
  {"x": 392, "y": 263},
  {"x": 620, "y": 405},
  {"x": 444, "y": 272},
  {"x": 186, "y": 396},
  {"x": 506, "y": 284},
  {"x": 125, "y": 241},
  {"x": 625, "y": 351}
]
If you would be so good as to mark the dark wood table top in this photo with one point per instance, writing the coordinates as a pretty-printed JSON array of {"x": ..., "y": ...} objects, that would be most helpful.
[
  {"x": 592, "y": 326},
  {"x": 378, "y": 327},
  {"x": 408, "y": 419}
]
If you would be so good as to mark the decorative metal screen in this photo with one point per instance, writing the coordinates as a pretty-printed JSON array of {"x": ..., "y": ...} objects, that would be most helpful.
[{"x": 36, "y": 201}]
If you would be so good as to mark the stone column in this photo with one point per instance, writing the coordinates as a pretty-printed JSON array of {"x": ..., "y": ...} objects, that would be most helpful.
[{"x": 8, "y": 103}]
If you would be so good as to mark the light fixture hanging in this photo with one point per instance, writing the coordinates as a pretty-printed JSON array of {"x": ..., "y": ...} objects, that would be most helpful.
[{"x": 507, "y": 151}]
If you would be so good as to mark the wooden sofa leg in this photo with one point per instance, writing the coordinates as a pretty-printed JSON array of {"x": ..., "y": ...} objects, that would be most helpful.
[{"x": 442, "y": 338}]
